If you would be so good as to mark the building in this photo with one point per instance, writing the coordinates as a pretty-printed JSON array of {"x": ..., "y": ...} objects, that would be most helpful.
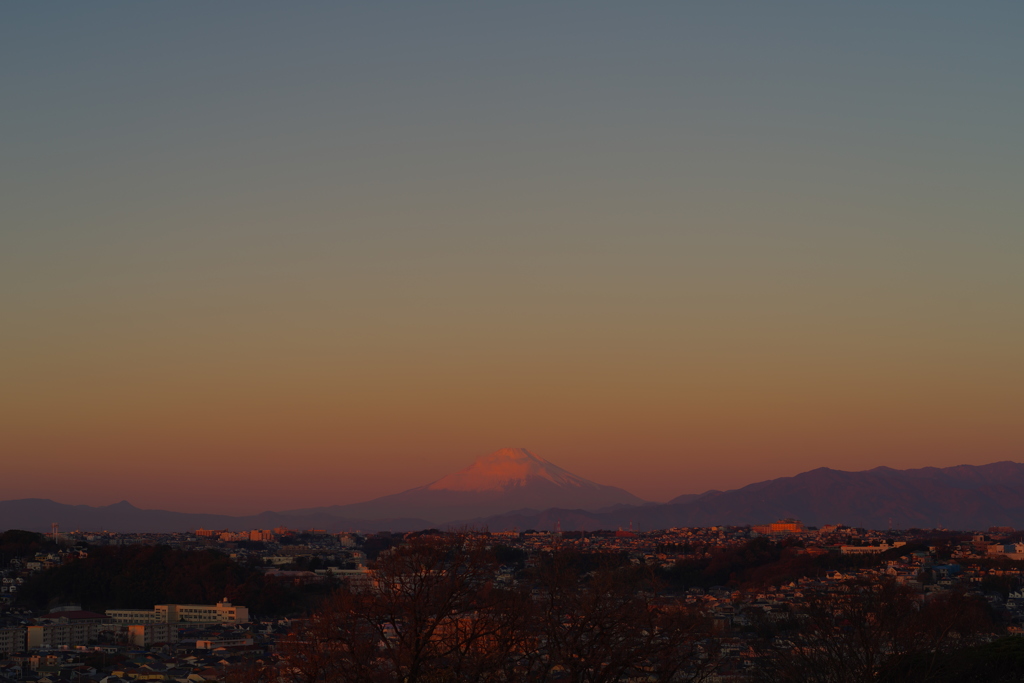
[
  {"x": 780, "y": 528},
  {"x": 221, "y": 613},
  {"x": 66, "y": 627},
  {"x": 1012, "y": 551},
  {"x": 72, "y": 615},
  {"x": 56, "y": 636},
  {"x": 870, "y": 549},
  {"x": 222, "y": 642},
  {"x": 144, "y": 635},
  {"x": 12, "y": 640}
]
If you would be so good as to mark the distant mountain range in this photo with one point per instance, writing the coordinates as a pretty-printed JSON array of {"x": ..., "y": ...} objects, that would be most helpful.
[
  {"x": 515, "y": 489},
  {"x": 961, "y": 497}
]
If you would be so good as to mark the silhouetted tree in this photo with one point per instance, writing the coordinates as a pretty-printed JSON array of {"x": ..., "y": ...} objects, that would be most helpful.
[
  {"x": 142, "y": 576},
  {"x": 610, "y": 625},
  {"x": 431, "y": 612},
  {"x": 864, "y": 630}
]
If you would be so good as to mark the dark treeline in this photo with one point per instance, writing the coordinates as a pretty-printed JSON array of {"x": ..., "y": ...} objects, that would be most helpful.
[
  {"x": 872, "y": 630},
  {"x": 761, "y": 563},
  {"x": 1001, "y": 661},
  {"x": 15, "y": 543},
  {"x": 138, "y": 577}
]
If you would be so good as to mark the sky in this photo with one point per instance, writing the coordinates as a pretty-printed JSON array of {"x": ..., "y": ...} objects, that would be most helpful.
[{"x": 262, "y": 256}]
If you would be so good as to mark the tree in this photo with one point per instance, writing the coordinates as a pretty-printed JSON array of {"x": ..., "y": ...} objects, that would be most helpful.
[
  {"x": 610, "y": 625},
  {"x": 431, "y": 612},
  {"x": 865, "y": 630}
]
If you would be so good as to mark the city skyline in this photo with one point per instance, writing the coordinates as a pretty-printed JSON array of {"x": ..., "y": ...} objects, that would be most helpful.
[{"x": 256, "y": 257}]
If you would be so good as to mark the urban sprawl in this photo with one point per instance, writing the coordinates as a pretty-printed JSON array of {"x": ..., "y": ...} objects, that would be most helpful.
[{"x": 772, "y": 602}]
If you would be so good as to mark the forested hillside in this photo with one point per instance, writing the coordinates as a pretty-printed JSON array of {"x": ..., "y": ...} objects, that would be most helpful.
[{"x": 142, "y": 576}]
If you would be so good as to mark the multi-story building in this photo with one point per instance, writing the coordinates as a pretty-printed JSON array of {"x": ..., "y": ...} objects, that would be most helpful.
[
  {"x": 781, "y": 527},
  {"x": 221, "y": 613},
  {"x": 53, "y": 636},
  {"x": 74, "y": 614},
  {"x": 12, "y": 639},
  {"x": 1012, "y": 551},
  {"x": 207, "y": 533},
  {"x": 144, "y": 635},
  {"x": 222, "y": 642}
]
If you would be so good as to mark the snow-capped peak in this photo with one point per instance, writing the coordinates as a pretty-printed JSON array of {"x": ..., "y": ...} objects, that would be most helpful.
[{"x": 505, "y": 468}]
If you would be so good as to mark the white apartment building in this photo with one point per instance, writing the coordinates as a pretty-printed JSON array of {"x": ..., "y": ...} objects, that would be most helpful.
[{"x": 221, "y": 613}]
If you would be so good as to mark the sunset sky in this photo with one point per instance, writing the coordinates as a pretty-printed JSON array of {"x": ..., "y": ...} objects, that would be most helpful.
[{"x": 267, "y": 256}]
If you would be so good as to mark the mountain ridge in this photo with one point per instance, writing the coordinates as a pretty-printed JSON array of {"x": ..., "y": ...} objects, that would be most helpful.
[{"x": 958, "y": 497}]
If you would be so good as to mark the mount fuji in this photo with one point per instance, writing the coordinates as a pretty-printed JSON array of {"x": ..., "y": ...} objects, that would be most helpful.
[{"x": 503, "y": 481}]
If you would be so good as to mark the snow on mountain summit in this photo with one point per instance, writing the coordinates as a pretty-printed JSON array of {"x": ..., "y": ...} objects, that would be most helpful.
[
  {"x": 500, "y": 482},
  {"x": 506, "y": 468}
]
